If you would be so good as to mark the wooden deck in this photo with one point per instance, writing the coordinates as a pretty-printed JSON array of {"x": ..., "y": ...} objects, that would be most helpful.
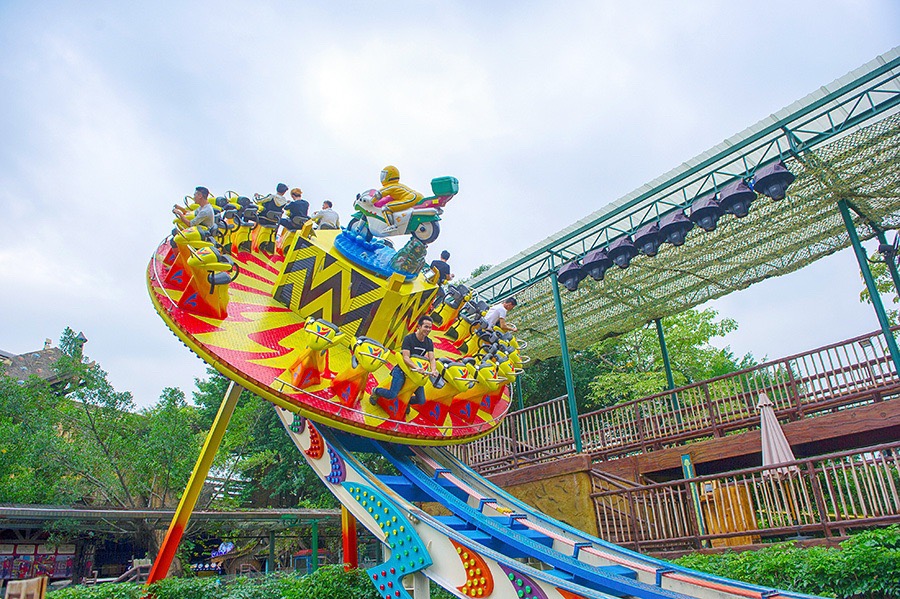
[
  {"x": 823, "y": 497},
  {"x": 835, "y": 400},
  {"x": 827, "y": 380}
]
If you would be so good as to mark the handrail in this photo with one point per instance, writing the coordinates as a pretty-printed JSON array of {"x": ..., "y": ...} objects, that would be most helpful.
[
  {"x": 737, "y": 373},
  {"x": 823, "y": 496},
  {"x": 895, "y": 445}
]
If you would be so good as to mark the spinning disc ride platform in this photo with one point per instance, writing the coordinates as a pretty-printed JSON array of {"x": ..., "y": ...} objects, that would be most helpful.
[{"x": 314, "y": 329}]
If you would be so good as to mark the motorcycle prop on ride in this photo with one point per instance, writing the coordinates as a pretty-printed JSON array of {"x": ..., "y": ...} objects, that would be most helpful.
[{"x": 420, "y": 221}]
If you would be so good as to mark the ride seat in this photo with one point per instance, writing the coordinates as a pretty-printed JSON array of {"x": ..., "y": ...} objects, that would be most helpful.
[
  {"x": 295, "y": 223},
  {"x": 270, "y": 219},
  {"x": 216, "y": 278},
  {"x": 455, "y": 295}
]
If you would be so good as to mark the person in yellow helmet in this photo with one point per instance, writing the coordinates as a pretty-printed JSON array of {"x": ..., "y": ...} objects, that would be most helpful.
[{"x": 402, "y": 196}]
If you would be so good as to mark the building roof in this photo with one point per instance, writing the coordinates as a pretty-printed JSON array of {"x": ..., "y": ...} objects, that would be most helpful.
[{"x": 37, "y": 363}]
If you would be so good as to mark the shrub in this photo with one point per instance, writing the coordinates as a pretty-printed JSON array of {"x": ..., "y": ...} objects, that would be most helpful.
[
  {"x": 124, "y": 590},
  {"x": 329, "y": 581},
  {"x": 866, "y": 567},
  {"x": 332, "y": 582}
]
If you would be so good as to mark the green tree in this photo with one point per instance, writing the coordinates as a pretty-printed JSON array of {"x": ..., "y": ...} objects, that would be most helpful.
[
  {"x": 885, "y": 285},
  {"x": 477, "y": 271},
  {"x": 31, "y": 470},
  {"x": 82, "y": 441},
  {"x": 630, "y": 366},
  {"x": 545, "y": 379},
  {"x": 257, "y": 451}
]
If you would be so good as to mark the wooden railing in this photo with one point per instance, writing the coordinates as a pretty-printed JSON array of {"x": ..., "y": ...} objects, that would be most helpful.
[
  {"x": 855, "y": 371},
  {"x": 822, "y": 497},
  {"x": 535, "y": 434}
]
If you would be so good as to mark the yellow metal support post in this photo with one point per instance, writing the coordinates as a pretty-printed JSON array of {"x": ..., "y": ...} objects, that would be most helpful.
[{"x": 189, "y": 498}]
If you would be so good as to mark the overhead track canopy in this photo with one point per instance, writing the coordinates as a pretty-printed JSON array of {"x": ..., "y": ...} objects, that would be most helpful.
[{"x": 841, "y": 142}]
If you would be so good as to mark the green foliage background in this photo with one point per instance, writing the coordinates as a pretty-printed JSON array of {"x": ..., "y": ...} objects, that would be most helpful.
[
  {"x": 328, "y": 581},
  {"x": 867, "y": 566},
  {"x": 630, "y": 366}
]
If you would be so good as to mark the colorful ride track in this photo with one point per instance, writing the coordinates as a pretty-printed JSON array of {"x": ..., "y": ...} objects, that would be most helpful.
[{"x": 312, "y": 321}]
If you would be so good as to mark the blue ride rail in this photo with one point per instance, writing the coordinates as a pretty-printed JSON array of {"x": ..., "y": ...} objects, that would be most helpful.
[{"x": 490, "y": 544}]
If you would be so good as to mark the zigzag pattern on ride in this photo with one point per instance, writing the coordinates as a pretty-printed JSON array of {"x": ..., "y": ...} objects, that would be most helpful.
[{"x": 313, "y": 283}]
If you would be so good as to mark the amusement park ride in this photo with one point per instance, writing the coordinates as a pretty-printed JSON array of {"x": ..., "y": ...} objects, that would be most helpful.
[{"x": 313, "y": 321}]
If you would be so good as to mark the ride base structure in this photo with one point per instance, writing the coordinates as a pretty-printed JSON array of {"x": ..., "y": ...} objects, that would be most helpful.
[{"x": 312, "y": 321}]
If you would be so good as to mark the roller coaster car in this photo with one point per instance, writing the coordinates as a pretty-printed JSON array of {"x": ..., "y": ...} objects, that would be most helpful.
[
  {"x": 227, "y": 219},
  {"x": 398, "y": 407},
  {"x": 488, "y": 385},
  {"x": 291, "y": 226},
  {"x": 182, "y": 242},
  {"x": 453, "y": 378},
  {"x": 210, "y": 274},
  {"x": 515, "y": 357},
  {"x": 247, "y": 216},
  {"x": 450, "y": 306},
  {"x": 312, "y": 362},
  {"x": 367, "y": 356},
  {"x": 263, "y": 237},
  {"x": 470, "y": 317}
]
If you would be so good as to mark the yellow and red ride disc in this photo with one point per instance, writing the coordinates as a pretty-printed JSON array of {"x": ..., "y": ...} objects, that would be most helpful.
[{"x": 251, "y": 329}]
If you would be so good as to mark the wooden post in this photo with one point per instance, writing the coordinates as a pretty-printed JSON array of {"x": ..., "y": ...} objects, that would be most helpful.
[
  {"x": 795, "y": 395},
  {"x": 713, "y": 413},
  {"x": 819, "y": 497}
]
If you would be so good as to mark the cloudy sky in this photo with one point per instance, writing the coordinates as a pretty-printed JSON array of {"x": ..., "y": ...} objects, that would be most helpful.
[{"x": 545, "y": 111}]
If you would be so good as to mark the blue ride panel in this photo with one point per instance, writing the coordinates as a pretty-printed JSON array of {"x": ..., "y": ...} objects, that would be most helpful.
[{"x": 375, "y": 256}]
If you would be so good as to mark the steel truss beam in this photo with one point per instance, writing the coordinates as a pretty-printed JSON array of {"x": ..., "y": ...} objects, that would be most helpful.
[{"x": 849, "y": 104}]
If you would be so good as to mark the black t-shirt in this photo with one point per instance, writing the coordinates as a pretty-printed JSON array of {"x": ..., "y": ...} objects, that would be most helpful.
[
  {"x": 443, "y": 268},
  {"x": 417, "y": 348},
  {"x": 298, "y": 208}
]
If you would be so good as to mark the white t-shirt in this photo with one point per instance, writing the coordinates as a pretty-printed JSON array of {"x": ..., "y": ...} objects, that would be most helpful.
[
  {"x": 494, "y": 315},
  {"x": 327, "y": 218}
]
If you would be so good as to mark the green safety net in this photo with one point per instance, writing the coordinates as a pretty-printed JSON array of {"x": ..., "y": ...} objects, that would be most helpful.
[{"x": 776, "y": 238}]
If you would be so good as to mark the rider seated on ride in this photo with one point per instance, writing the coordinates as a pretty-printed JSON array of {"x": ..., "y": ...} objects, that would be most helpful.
[
  {"x": 327, "y": 217},
  {"x": 203, "y": 215},
  {"x": 443, "y": 268},
  {"x": 297, "y": 210},
  {"x": 415, "y": 344},
  {"x": 271, "y": 205},
  {"x": 394, "y": 196}
]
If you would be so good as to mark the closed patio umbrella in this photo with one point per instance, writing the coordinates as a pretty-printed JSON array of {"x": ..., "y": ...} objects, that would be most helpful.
[{"x": 775, "y": 447}]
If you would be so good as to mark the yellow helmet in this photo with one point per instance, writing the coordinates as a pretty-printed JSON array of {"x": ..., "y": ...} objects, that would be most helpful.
[{"x": 389, "y": 174}]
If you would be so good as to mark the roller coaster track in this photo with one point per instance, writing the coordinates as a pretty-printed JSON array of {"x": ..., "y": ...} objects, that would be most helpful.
[{"x": 492, "y": 545}]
